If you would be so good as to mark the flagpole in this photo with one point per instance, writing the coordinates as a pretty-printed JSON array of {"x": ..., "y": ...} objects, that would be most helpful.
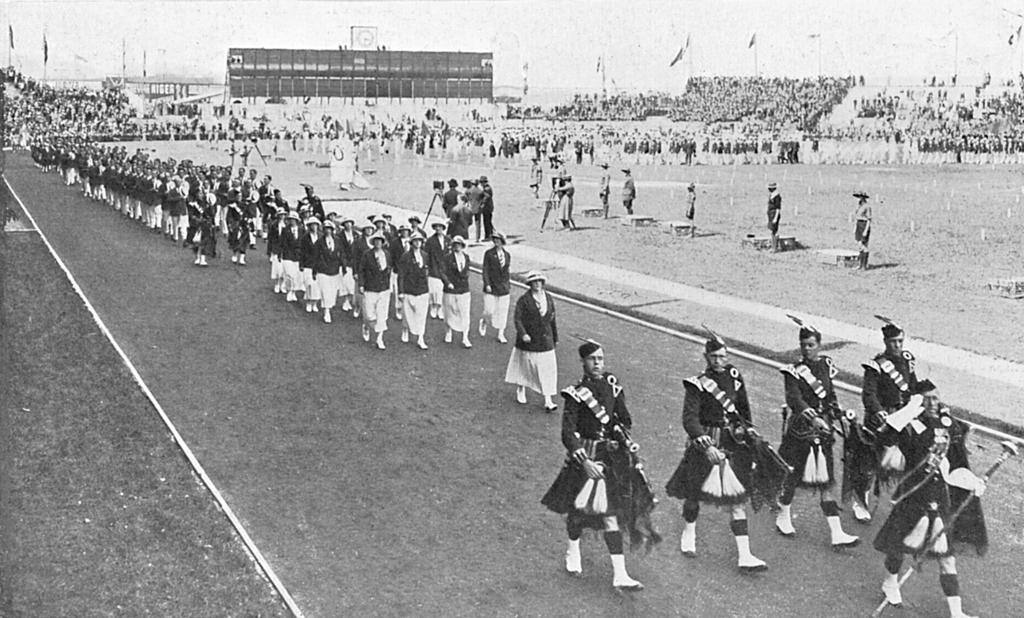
[
  {"x": 819, "y": 56},
  {"x": 755, "y": 57},
  {"x": 604, "y": 65}
]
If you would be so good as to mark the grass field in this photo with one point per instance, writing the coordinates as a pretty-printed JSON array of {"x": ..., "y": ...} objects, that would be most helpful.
[
  {"x": 930, "y": 262},
  {"x": 407, "y": 482},
  {"x": 100, "y": 513}
]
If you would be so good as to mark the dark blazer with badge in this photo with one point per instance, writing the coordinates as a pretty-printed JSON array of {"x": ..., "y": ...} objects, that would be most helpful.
[
  {"x": 307, "y": 250},
  {"x": 543, "y": 329},
  {"x": 346, "y": 247},
  {"x": 372, "y": 277},
  {"x": 453, "y": 276},
  {"x": 496, "y": 274},
  {"x": 291, "y": 243},
  {"x": 328, "y": 260},
  {"x": 435, "y": 254},
  {"x": 412, "y": 277},
  {"x": 879, "y": 391}
]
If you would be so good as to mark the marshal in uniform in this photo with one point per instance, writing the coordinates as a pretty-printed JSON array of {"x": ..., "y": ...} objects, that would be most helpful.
[{"x": 601, "y": 485}]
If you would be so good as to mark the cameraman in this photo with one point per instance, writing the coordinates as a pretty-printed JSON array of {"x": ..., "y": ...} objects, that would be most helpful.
[
  {"x": 566, "y": 193},
  {"x": 475, "y": 198},
  {"x": 450, "y": 199}
]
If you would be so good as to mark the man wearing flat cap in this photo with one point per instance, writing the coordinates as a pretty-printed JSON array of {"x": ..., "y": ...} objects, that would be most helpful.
[
  {"x": 595, "y": 487},
  {"x": 486, "y": 208},
  {"x": 691, "y": 207},
  {"x": 717, "y": 465}
]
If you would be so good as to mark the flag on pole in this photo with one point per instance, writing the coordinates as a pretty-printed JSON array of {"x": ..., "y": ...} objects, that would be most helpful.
[
  {"x": 599, "y": 64},
  {"x": 80, "y": 59},
  {"x": 46, "y": 51},
  {"x": 753, "y": 41},
  {"x": 10, "y": 34},
  {"x": 814, "y": 36},
  {"x": 1015, "y": 36},
  {"x": 682, "y": 51}
]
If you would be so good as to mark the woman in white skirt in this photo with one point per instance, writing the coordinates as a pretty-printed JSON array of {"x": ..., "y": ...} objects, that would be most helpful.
[
  {"x": 306, "y": 257},
  {"x": 413, "y": 291},
  {"x": 496, "y": 287},
  {"x": 274, "y": 231},
  {"x": 455, "y": 274},
  {"x": 533, "y": 364},
  {"x": 291, "y": 247},
  {"x": 327, "y": 264},
  {"x": 375, "y": 285}
]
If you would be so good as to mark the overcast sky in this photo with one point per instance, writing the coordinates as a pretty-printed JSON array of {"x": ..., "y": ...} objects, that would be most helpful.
[{"x": 561, "y": 41}]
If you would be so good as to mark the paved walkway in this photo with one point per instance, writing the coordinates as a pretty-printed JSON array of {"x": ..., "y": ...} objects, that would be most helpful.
[{"x": 989, "y": 388}]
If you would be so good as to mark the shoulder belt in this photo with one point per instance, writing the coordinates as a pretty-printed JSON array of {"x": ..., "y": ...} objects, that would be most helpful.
[
  {"x": 584, "y": 396},
  {"x": 804, "y": 372},
  {"x": 890, "y": 370},
  {"x": 711, "y": 387}
]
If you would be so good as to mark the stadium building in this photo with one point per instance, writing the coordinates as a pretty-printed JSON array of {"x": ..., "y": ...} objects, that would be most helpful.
[{"x": 279, "y": 74}]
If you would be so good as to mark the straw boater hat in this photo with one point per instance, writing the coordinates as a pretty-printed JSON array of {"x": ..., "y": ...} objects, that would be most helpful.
[
  {"x": 329, "y": 224},
  {"x": 626, "y": 170},
  {"x": 534, "y": 275},
  {"x": 313, "y": 221},
  {"x": 498, "y": 236},
  {"x": 438, "y": 224},
  {"x": 348, "y": 220},
  {"x": 293, "y": 215},
  {"x": 861, "y": 195},
  {"x": 772, "y": 185},
  {"x": 459, "y": 240},
  {"x": 377, "y": 236},
  {"x": 416, "y": 236}
]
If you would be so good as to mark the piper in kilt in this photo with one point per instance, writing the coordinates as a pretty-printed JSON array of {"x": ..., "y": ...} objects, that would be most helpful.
[
  {"x": 920, "y": 522},
  {"x": 889, "y": 382},
  {"x": 807, "y": 438},
  {"x": 600, "y": 485},
  {"x": 717, "y": 465}
]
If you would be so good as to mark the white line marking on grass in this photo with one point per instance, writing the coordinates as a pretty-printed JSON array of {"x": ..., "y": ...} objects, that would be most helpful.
[
  {"x": 761, "y": 360},
  {"x": 254, "y": 552}
]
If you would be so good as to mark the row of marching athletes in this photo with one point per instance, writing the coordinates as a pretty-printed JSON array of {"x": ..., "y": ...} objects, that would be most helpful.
[{"x": 371, "y": 270}]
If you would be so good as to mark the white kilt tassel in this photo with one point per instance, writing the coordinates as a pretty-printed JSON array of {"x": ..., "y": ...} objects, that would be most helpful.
[
  {"x": 893, "y": 459},
  {"x": 713, "y": 484},
  {"x": 816, "y": 468},
  {"x": 915, "y": 539},
  {"x": 731, "y": 486},
  {"x": 593, "y": 497}
]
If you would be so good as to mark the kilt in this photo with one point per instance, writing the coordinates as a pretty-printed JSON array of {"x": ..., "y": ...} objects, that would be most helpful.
[
  {"x": 496, "y": 311},
  {"x": 561, "y": 496},
  {"x": 694, "y": 468},
  {"x": 414, "y": 313},
  {"x": 537, "y": 371},
  {"x": 895, "y": 534},
  {"x": 375, "y": 309},
  {"x": 328, "y": 286},
  {"x": 456, "y": 312},
  {"x": 796, "y": 451},
  {"x": 859, "y": 233},
  {"x": 276, "y": 267},
  {"x": 292, "y": 276},
  {"x": 436, "y": 289}
]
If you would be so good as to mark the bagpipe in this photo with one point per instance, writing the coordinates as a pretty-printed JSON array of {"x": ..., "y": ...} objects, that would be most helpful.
[
  {"x": 768, "y": 469},
  {"x": 642, "y": 499}
]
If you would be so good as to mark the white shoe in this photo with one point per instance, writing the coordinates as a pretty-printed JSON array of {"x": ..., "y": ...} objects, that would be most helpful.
[
  {"x": 346, "y": 306},
  {"x": 860, "y": 513},
  {"x": 501, "y": 338},
  {"x": 784, "y": 521},
  {"x": 842, "y": 539},
  {"x": 197, "y": 261},
  {"x": 482, "y": 328},
  {"x": 751, "y": 563},
  {"x": 448, "y": 336},
  {"x": 366, "y": 333},
  {"x": 290, "y": 297},
  {"x": 688, "y": 540},
  {"x": 521, "y": 395},
  {"x": 421, "y": 344},
  {"x": 380, "y": 343},
  {"x": 241, "y": 260},
  {"x": 234, "y": 258},
  {"x": 465, "y": 343},
  {"x": 405, "y": 336},
  {"x": 573, "y": 562},
  {"x": 277, "y": 286},
  {"x": 891, "y": 590},
  {"x": 309, "y": 308},
  {"x": 626, "y": 583},
  {"x": 327, "y": 316}
]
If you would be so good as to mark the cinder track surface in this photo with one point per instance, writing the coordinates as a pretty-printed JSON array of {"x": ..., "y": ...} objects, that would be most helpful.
[{"x": 407, "y": 482}]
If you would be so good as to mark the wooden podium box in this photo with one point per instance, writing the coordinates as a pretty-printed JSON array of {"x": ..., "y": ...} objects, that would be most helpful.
[
  {"x": 638, "y": 220},
  {"x": 764, "y": 243},
  {"x": 843, "y": 258}
]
